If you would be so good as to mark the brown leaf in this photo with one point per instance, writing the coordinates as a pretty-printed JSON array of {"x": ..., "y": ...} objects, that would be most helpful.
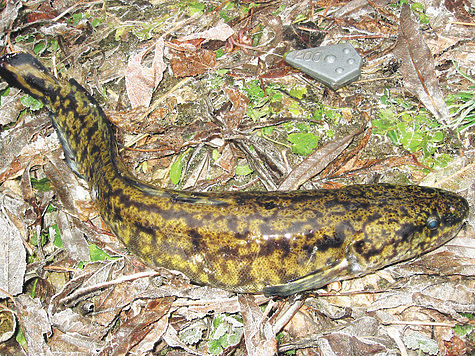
[
  {"x": 220, "y": 32},
  {"x": 240, "y": 103},
  {"x": 10, "y": 108},
  {"x": 455, "y": 346},
  {"x": 73, "y": 196},
  {"x": 265, "y": 159},
  {"x": 9, "y": 14},
  {"x": 357, "y": 166},
  {"x": 189, "y": 65},
  {"x": 136, "y": 328},
  {"x": 199, "y": 164},
  {"x": 344, "y": 344},
  {"x": 211, "y": 299},
  {"x": 417, "y": 66},
  {"x": 315, "y": 163},
  {"x": 8, "y": 326},
  {"x": 227, "y": 160},
  {"x": 12, "y": 252},
  {"x": 457, "y": 8},
  {"x": 34, "y": 324},
  {"x": 258, "y": 333},
  {"x": 347, "y": 158},
  {"x": 140, "y": 80},
  {"x": 73, "y": 238},
  {"x": 19, "y": 149}
]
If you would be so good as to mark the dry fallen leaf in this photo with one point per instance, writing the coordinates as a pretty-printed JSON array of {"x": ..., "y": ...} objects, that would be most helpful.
[
  {"x": 134, "y": 330},
  {"x": 191, "y": 64},
  {"x": 258, "y": 333},
  {"x": 315, "y": 163},
  {"x": 12, "y": 253},
  {"x": 140, "y": 80},
  {"x": 35, "y": 324},
  {"x": 220, "y": 32},
  {"x": 417, "y": 66}
]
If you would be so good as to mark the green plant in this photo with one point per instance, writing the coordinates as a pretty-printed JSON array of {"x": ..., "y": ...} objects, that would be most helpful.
[
  {"x": 462, "y": 106},
  {"x": 415, "y": 130},
  {"x": 226, "y": 331}
]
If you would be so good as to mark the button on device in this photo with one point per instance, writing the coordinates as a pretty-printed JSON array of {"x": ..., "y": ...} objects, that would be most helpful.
[{"x": 335, "y": 65}]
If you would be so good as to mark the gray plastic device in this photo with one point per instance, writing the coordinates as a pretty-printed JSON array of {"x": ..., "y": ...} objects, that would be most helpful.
[{"x": 335, "y": 65}]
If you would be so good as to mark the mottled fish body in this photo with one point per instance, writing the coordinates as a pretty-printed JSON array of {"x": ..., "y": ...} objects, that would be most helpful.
[{"x": 278, "y": 243}]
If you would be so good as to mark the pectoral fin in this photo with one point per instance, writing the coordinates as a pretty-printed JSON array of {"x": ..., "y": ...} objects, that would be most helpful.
[{"x": 314, "y": 280}]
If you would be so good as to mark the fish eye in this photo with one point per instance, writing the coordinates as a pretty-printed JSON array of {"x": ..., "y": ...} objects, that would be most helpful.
[{"x": 432, "y": 223}]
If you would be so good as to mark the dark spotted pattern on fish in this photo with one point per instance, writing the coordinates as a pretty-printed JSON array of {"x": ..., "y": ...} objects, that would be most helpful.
[{"x": 278, "y": 243}]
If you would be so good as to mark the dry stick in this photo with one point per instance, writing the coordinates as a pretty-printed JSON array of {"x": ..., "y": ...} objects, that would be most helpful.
[
  {"x": 418, "y": 323},
  {"x": 288, "y": 314},
  {"x": 463, "y": 23},
  {"x": 97, "y": 286}
]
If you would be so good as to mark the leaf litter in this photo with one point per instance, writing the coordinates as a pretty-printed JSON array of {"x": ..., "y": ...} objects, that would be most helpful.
[
  {"x": 417, "y": 66},
  {"x": 253, "y": 102}
]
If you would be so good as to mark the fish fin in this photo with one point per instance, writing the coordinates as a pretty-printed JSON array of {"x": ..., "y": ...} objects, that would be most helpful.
[
  {"x": 314, "y": 280},
  {"x": 68, "y": 152}
]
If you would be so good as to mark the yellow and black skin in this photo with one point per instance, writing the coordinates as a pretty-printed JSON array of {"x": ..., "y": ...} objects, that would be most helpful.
[{"x": 278, "y": 243}]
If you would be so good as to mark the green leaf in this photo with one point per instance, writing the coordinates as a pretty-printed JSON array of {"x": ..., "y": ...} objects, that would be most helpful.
[
  {"x": 235, "y": 336},
  {"x": 387, "y": 114},
  {"x": 193, "y": 333},
  {"x": 175, "y": 171},
  {"x": 438, "y": 136},
  {"x": 255, "y": 114},
  {"x": 303, "y": 142},
  {"x": 5, "y": 91},
  {"x": 463, "y": 330},
  {"x": 295, "y": 109},
  {"x": 51, "y": 208},
  {"x": 53, "y": 45},
  {"x": 257, "y": 36},
  {"x": 393, "y": 136},
  {"x": 219, "y": 329},
  {"x": 219, "y": 53},
  {"x": 25, "y": 38},
  {"x": 298, "y": 92},
  {"x": 196, "y": 8},
  {"x": 33, "y": 288},
  {"x": 302, "y": 127},
  {"x": 96, "y": 22},
  {"x": 57, "y": 241},
  {"x": 214, "y": 347},
  {"x": 34, "y": 239},
  {"x": 468, "y": 315},
  {"x": 76, "y": 18},
  {"x": 318, "y": 114},
  {"x": 243, "y": 170},
  {"x": 31, "y": 103},
  {"x": 39, "y": 47},
  {"x": 330, "y": 133},
  {"x": 96, "y": 254},
  {"x": 42, "y": 185},
  {"x": 417, "y": 341},
  {"x": 226, "y": 331},
  {"x": 267, "y": 130},
  {"x": 20, "y": 338}
]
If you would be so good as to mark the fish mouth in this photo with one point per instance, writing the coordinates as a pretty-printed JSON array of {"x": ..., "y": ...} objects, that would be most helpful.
[{"x": 457, "y": 212}]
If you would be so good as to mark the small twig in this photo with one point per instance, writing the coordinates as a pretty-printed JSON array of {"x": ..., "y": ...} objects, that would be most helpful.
[
  {"x": 94, "y": 287},
  {"x": 287, "y": 315},
  {"x": 418, "y": 323},
  {"x": 463, "y": 23}
]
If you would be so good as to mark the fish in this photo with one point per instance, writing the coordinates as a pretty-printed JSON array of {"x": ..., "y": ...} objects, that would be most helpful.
[{"x": 276, "y": 243}]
